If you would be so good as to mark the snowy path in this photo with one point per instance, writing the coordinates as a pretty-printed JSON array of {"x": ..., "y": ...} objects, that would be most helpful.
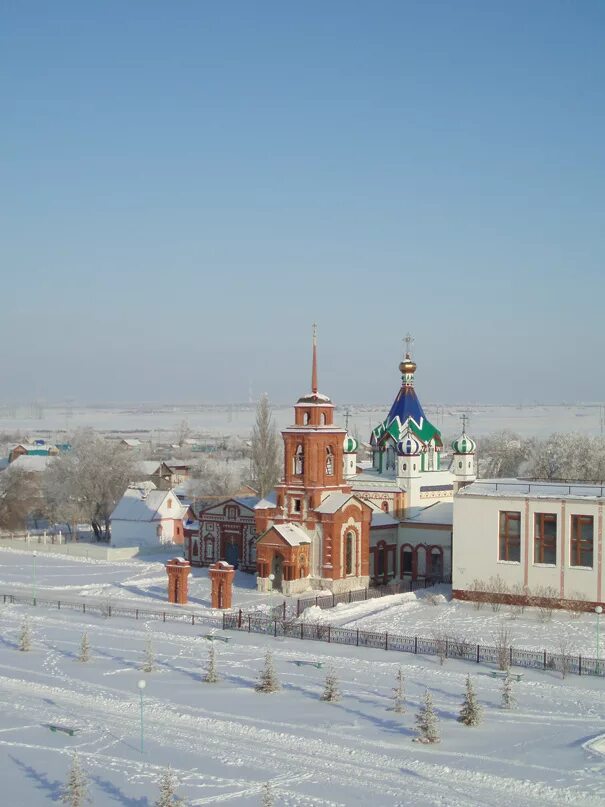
[{"x": 225, "y": 741}]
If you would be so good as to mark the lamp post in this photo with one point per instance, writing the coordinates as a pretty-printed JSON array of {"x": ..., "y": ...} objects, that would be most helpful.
[
  {"x": 271, "y": 578},
  {"x": 141, "y": 685},
  {"x": 598, "y": 612},
  {"x": 34, "y": 555}
]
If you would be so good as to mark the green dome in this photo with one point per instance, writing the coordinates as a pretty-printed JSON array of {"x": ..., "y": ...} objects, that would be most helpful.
[
  {"x": 350, "y": 444},
  {"x": 464, "y": 445}
]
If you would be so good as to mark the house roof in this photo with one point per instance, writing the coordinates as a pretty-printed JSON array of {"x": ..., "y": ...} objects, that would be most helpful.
[
  {"x": 525, "y": 488},
  {"x": 32, "y": 463},
  {"x": 382, "y": 519},
  {"x": 148, "y": 467},
  {"x": 291, "y": 533},
  {"x": 268, "y": 502},
  {"x": 131, "y": 441},
  {"x": 336, "y": 501},
  {"x": 441, "y": 513},
  {"x": 142, "y": 504}
]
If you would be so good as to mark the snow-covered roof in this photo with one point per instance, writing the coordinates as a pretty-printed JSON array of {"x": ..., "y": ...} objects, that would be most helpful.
[
  {"x": 247, "y": 501},
  {"x": 382, "y": 519},
  {"x": 528, "y": 489},
  {"x": 333, "y": 502},
  {"x": 269, "y": 501},
  {"x": 441, "y": 513},
  {"x": 147, "y": 467},
  {"x": 131, "y": 442},
  {"x": 371, "y": 480},
  {"x": 141, "y": 504},
  {"x": 32, "y": 463},
  {"x": 292, "y": 534}
]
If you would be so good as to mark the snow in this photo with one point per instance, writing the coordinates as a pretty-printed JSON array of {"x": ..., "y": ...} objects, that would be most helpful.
[{"x": 224, "y": 741}]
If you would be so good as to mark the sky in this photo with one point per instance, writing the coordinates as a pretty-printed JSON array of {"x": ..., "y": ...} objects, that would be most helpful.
[{"x": 185, "y": 187}]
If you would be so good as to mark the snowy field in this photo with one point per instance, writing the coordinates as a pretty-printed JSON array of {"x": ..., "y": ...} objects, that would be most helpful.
[
  {"x": 436, "y": 616},
  {"x": 134, "y": 582},
  {"x": 161, "y": 422},
  {"x": 224, "y": 740}
]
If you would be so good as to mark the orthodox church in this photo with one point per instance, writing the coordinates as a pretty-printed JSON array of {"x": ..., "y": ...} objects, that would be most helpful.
[{"x": 333, "y": 523}]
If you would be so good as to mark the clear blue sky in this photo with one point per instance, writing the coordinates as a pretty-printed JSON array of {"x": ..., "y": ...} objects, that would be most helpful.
[{"x": 187, "y": 185}]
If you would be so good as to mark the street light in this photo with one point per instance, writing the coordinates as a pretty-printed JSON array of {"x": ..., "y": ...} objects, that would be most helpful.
[
  {"x": 34, "y": 554},
  {"x": 598, "y": 612},
  {"x": 141, "y": 685}
]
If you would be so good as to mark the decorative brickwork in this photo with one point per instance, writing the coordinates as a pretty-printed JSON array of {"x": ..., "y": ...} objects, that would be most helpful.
[
  {"x": 221, "y": 580},
  {"x": 178, "y": 570}
]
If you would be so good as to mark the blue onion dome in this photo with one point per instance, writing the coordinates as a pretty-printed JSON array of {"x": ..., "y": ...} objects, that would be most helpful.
[
  {"x": 350, "y": 444},
  {"x": 464, "y": 445},
  {"x": 409, "y": 446}
]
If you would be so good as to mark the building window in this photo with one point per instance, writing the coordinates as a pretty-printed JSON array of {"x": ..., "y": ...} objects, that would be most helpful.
[
  {"x": 582, "y": 538},
  {"x": 545, "y": 538},
  {"x": 323, "y": 418},
  {"x": 169, "y": 503},
  {"x": 329, "y": 461},
  {"x": 509, "y": 545},
  {"x": 299, "y": 461},
  {"x": 384, "y": 507},
  {"x": 379, "y": 559},
  {"x": 349, "y": 550},
  {"x": 297, "y": 506},
  {"x": 407, "y": 557},
  {"x": 436, "y": 562},
  {"x": 231, "y": 513},
  {"x": 307, "y": 419}
]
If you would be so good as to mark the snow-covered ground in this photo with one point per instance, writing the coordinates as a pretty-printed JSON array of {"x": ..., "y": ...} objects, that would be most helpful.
[
  {"x": 431, "y": 613},
  {"x": 224, "y": 741},
  {"x": 137, "y": 581}
]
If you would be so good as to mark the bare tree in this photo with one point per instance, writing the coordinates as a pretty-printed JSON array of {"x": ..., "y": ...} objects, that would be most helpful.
[
  {"x": 265, "y": 456},
  {"x": 183, "y": 432},
  {"x": 503, "y": 645},
  {"x": 211, "y": 479},
  {"x": 86, "y": 483}
]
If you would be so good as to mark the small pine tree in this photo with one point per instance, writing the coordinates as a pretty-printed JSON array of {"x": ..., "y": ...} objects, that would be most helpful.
[
  {"x": 168, "y": 785},
  {"x": 268, "y": 799},
  {"x": 267, "y": 680},
  {"x": 75, "y": 792},
  {"x": 470, "y": 713},
  {"x": 84, "y": 649},
  {"x": 25, "y": 637},
  {"x": 427, "y": 722},
  {"x": 149, "y": 656},
  {"x": 508, "y": 698},
  {"x": 399, "y": 694},
  {"x": 331, "y": 693},
  {"x": 211, "y": 676}
]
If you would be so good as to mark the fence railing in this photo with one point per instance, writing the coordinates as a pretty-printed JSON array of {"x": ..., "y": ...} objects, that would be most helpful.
[
  {"x": 276, "y": 625},
  {"x": 449, "y": 647},
  {"x": 359, "y": 595}
]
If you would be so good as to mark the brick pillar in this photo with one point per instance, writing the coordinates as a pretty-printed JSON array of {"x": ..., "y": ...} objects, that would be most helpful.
[
  {"x": 178, "y": 570},
  {"x": 221, "y": 578}
]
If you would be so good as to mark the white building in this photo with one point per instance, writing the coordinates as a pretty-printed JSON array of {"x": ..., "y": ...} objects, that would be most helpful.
[
  {"x": 531, "y": 539},
  {"x": 145, "y": 516}
]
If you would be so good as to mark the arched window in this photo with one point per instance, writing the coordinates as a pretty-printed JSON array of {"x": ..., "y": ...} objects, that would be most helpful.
[
  {"x": 307, "y": 419},
  {"x": 385, "y": 507},
  {"x": 329, "y": 461},
  {"x": 323, "y": 418},
  {"x": 299, "y": 460},
  {"x": 407, "y": 560},
  {"x": 436, "y": 560},
  {"x": 349, "y": 552}
]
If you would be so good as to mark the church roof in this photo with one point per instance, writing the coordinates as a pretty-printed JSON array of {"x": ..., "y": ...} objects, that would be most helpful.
[
  {"x": 407, "y": 413},
  {"x": 291, "y": 533}
]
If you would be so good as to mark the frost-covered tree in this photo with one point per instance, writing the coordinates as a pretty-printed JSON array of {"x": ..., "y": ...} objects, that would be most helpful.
[
  {"x": 25, "y": 636},
  {"x": 211, "y": 676},
  {"x": 331, "y": 693},
  {"x": 85, "y": 483},
  {"x": 568, "y": 456},
  {"x": 20, "y": 498},
  {"x": 399, "y": 693},
  {"x": 168, "y": 796},
  {"x": 502, "y": 455},
  {"x": 84, "y": 654},
  {"x": 268, "y": 798},
  {"x": 508, "y": 698},
  {"x": 268, "y": 681},
  {"x": 148, "y": 665},
  {"x": 471, "y": 712},
  {"x": 75, "y": 791},
  {"x": 265, "y": 449},
  {"x": 427, "y": 721}
]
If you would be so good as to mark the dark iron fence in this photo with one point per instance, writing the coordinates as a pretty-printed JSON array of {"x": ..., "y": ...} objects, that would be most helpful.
[
  {"x": 276, "y": 625},
  {"x": 443, "y": 647},
  {"x": 359, "y": 595}
]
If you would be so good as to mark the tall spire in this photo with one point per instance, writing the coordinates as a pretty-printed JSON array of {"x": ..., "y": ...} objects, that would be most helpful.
[{"x": 314, "y": 387}]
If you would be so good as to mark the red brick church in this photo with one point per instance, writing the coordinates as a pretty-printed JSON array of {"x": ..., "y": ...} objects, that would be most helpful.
[{"x": 316, "y": 534}]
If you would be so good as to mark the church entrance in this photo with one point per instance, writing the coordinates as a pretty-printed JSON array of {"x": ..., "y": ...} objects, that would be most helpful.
[
  {"x": 277, "y": 568},
  {"x": 231, "y": 545},
  {"x": 232, "y": 553}
]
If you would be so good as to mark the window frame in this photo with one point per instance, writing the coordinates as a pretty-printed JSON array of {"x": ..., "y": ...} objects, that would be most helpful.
[
  {"x": 505, "y": 538},
  {"x": 576, "y": 540},
  {"x": 541, "y": 546}
]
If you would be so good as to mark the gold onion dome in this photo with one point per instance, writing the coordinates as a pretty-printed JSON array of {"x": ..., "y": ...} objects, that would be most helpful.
[{"x": 407, "y": 366}]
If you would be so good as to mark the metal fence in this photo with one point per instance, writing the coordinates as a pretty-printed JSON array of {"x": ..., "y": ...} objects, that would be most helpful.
[
  {"x": 276, "y": 625},
  {"x": 359, "y": 595},
  {"x": 445, "y": 648}
]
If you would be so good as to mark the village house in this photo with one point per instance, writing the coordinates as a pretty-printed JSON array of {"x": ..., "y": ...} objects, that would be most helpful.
[{"x": 147, "y": 517}]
